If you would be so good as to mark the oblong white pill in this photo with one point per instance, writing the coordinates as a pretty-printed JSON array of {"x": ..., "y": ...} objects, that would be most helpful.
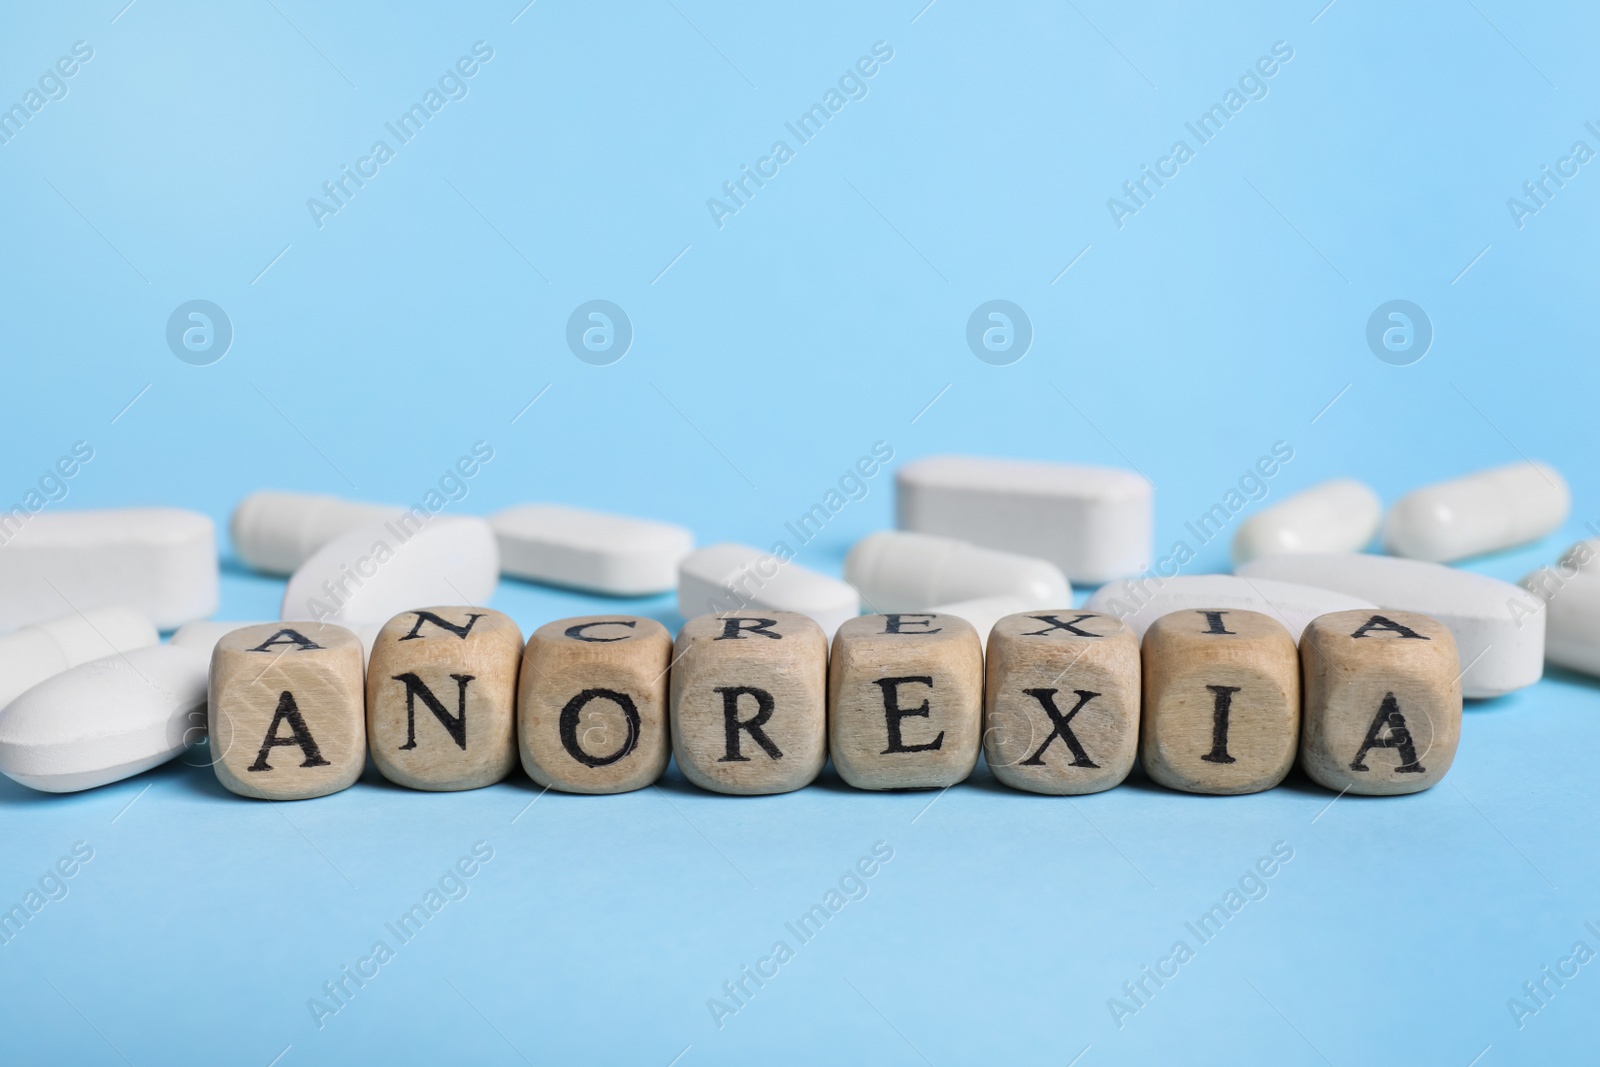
[
  {"x": 34, "y": 653},
  {"x": 1583, "y": 556},
  {"x": 161, "y": 562},
  {"x": 1095, "y": 523},
  {"x": 1336, "y": 516},
  {"x": 202, "y": 636},
  {"x": 376, "y": 571},
  {"x": 274, "y": 532},
  {"x": 896, "y": 570},
  {"x": 595, "y": 551},
  {"x": 1140, "y": 602},
  {"x": 1572, "y": 625},
  {"x": 1482, "y": 512},
  {"x": 105, "y": 720},
  {"x": 1498, "y": 627},
  {"x": 728, "y": 578},
  {"x": 984, "y": 612}
]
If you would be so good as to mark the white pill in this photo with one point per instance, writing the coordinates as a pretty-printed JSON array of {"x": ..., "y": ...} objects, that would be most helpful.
[
  {"x": 1483, "y": 512},
  {"x": 1498, "y": 627},
  {"x": 161, "y": 562},
  {"x": 45, "y": 649},
  {"x": 729, "y": 578},
  {"x": 275, "y": 532},
  {"x": 1336, "y": 516},
  {"x": 1572, "y": 608},
  {"x": 105, "y": 720},
  {"x": 376, "y": 571},
  {"x": 202, "y": 636},
  {"x": 899, "y": 571},
  {"x": 984, "y": 612},
  {"x": 1140, "y": 602},
  {"x": 1095, "y": 523},
  {"x": 595, "y": 551},
  {"x": 1583, "y": 556}
]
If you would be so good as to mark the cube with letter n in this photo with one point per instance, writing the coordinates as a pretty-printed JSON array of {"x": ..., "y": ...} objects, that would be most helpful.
[{"x": 441, "y": 697}]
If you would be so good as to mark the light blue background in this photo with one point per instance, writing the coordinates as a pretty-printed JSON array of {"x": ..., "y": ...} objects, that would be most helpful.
[{"x": 768, "y": 355}]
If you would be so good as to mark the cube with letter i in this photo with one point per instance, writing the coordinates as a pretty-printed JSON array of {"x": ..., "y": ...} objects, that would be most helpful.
[{"x": 1221, "y": 701}]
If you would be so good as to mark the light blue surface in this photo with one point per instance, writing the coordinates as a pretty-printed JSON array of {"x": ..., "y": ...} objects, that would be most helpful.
[{"x": 826, "y": 315}]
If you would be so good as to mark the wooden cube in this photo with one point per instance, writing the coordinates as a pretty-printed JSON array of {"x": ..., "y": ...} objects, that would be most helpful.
[
  {"x": 285, "y": 711},
  {"x": 749, "y": 701},
  {"x": 1221, "y": 701},
  {"x": 905, "y": 700},
  {"x": 441, "y": 697},
  {"x": 1061, "y": 701},
  {"x": 1383, "y": 701},
  {"x": 592, "y": 704}
]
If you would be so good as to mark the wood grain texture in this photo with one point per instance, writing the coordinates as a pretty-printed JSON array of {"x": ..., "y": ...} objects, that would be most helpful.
[
  {"x": 592, "y": 704},
  {"x": 1221, "y": 701},
  {"x": 749, "y": 701},
  {"x": 441, "y": 697},
  {"x": 1061, "y": 701},
  {"x": 285, "y": 710},
  {"x": 905, "y": 701},
  {"x": 1383, "y": 709}
]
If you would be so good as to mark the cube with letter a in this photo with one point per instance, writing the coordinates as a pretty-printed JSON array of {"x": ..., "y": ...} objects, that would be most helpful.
[
  {"x": 905, "y": 700},
  {"x": 749, "y": 701},
  {"x": 1383, "y": 701},
  {"x": 285, "y": 711}
]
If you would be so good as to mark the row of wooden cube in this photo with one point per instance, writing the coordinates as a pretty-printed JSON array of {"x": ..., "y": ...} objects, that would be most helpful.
[{"x": 1213, "y": 702}]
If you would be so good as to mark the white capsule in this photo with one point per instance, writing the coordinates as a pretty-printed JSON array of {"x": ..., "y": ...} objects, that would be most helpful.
[
  {"x": 1482, "y": 512},
  {"x": 1140, "y": 602},
  {"x": 45, "y": 649},
  {"x": 275, "y": 532},
  {"x": 1572, "y": 608},
  {"x": 594, "y": 551},
  {"x": 729, "y": 578},
  {"x": 899, "y": 571},
  {"x": 1095, "y": 523},
  {"x": 202, "y": 636},
  {"x": 984, "y": 612},
  {"x": 161, "y": 562},
  {"x": 1336, "y": 516},
  {"x": 376, "y": 571},
  {"x": 1499, "y": 628},
  {"x": 105, "y": 720}
]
